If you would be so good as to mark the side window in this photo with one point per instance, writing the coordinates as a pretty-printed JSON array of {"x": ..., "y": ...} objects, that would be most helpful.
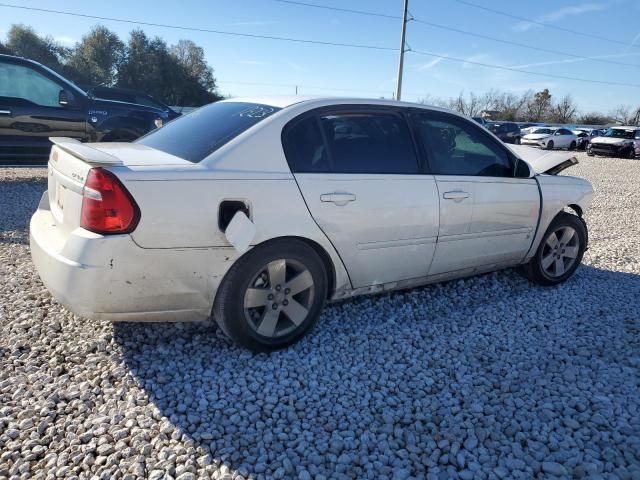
[
  {"x": 457, "y": 147},
  {"x": 17, "y": 81},
  {"x": 369, "y": 143},
  {"x": 305, "y": 148}
]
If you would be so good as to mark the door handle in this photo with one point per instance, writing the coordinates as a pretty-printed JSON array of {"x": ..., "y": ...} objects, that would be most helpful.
[
  {"x": 456, "y": 195},
  {"x": 338, "y": 198},
  {"x": 5, "y": 112}
]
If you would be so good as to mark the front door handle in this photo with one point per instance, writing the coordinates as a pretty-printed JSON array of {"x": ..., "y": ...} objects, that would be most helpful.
[
  {"x": 338, "y": 198},
  {"x": 5, "y": 112},
  {"x": 456, "y": 195}
]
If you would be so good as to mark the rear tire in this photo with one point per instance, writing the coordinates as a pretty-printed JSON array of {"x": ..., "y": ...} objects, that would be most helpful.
[
  {"x": 259, "y": 306},
  {"x": 572, "y": 146},
  {"x": 631, "y": 154},
  {"x": 550, "y": 145},
  {"x": 559, "y": 253},
  {"x": 517, "y": 141}
]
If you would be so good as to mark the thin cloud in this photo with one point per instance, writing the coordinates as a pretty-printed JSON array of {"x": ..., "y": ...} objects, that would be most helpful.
[
  {"x": 251, "y": 62},
  {"x": 67, "y": 41},
  {"x": 561, "y": 13},
  {"x": 480, "y": 57},
  {"x": 296, "y": 67},
  {"x": 252, "y": 23},
  {"x": 574, "y": 60},
  {"x": 430, "y": 64},
  {"x": 633, "y": 42}
]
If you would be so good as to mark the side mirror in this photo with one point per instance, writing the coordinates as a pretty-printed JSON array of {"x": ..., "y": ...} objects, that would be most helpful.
[
  {"x": 65, "y": 98},
  {"x": 523, "y": 169}
]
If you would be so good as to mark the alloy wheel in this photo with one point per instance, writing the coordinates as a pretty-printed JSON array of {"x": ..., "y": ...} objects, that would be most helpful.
[
  {"x": 560, "y": 251},
  {"x": 278, "y": 298}
]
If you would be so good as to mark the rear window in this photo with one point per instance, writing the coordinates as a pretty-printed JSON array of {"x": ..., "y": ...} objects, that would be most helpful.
[{"x": 195, "y": 136}]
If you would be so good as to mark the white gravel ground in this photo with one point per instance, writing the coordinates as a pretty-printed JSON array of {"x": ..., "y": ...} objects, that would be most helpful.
[{"x": 484, "y": 378}]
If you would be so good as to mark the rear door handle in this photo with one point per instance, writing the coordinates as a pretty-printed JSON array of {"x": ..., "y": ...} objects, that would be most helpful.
[
  {"x": 338, "y": 198},
  {"x": 456, "y": 195},
  {"x": 5, "y": 112}
]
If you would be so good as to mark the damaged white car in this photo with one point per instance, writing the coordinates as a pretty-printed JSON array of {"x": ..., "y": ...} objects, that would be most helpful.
[
  {"x": 258, "y": 211},
  {"x": 616, "y": 142}
]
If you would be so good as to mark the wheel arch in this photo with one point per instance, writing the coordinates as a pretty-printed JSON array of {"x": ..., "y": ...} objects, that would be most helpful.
[{"x": 319, "y": 249}]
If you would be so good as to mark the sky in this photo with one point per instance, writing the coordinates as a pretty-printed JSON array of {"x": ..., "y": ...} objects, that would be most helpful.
[{"x": 249, "y": 66}]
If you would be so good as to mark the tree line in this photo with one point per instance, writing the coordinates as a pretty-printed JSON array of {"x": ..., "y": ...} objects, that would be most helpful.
[
  {"x": 533, "y": 106},
  {"x": 174, "y": 74}
]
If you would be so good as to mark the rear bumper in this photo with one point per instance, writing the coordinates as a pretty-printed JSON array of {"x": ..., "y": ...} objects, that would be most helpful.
[{"x": 112, "y": 278}]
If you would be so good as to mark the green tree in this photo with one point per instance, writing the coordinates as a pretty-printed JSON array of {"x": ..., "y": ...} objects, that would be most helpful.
[
  {"x": 96, "y": 59},
  {"x": 4, "y": 50},
  {"x": 177, "y": 77},
  {"x": 25, "y": 42}
]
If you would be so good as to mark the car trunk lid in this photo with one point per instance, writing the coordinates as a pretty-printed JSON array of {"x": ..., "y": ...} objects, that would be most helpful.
[
  {"x": 69, "y": 165},
  {"x": 543, "y": 161}
]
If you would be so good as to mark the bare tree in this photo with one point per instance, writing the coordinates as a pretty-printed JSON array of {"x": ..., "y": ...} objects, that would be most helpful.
[
  {"x": 539, "y": 105},
  {"x": 594, "y": 118},
  {"x": 564, "y": 111}
]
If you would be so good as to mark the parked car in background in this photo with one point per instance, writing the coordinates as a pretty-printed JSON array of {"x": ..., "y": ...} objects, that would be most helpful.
[
  {"x": 508, "y": 132},
  {"x": 131, "y": 96},
  {"x": 480, "y": 120},
  {"x": 551, "y": 138},
  {"x": 36, "y": 103},
  {"x": 585, "y": 135},
  {"x": 258, "y": 211},
  {"x": 616, "y": 142}
]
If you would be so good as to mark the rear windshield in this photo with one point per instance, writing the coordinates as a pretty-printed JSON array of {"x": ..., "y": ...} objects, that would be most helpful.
[{"x": 195, "y": 136}]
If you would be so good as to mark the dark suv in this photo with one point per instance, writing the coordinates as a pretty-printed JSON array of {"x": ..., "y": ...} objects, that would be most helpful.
[
  {"x": 508, "y": 132},
  {"x": 36, "y": 103}
]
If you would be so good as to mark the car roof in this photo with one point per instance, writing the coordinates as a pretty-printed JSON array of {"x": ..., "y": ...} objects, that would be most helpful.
[{"x": 284, "y": 101}]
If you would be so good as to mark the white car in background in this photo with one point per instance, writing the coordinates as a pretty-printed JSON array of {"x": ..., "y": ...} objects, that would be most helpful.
[
  {"x": 551, "y": 138},
  {"x": 258, "y": 211},
  {"x": 616, "y": 142}
]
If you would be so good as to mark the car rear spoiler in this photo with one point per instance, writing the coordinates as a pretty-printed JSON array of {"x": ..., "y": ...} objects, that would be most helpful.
[
  {"x": 544, "y": 161},
  {"x": 84, "y": 152}
]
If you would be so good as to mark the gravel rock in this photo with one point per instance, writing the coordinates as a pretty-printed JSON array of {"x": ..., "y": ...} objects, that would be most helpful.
[{"x": 487, "y": 377}]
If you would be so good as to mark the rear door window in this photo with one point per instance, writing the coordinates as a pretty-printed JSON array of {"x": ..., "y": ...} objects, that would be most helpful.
[
  {"x": 195, "y": 136},
  {"x": 304, "y": 147},
  {"x": 369, "y": 142}
]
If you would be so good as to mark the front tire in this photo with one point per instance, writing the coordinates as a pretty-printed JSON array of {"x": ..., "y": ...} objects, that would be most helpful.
[
  {"x": 550, "y": 145},
  {"x": 517, "y": 141},
  {"x": 631, "y": 153},
  {"x": 272, "y": 296},
  {"x": 560, "y": 251},
  {"x": 572, "y": 146}
]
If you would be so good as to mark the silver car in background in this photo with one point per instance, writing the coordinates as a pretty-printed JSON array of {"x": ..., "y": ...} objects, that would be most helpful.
[{"x": 258, "y": 211}]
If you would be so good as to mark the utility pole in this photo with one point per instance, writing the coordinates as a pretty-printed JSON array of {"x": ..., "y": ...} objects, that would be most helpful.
[{"x": 402, "y": 43}]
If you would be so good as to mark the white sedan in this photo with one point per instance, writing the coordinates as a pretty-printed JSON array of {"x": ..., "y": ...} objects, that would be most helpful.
[
  {"x": 259, "y": 211},
  {"x": 551, "y": 138}
]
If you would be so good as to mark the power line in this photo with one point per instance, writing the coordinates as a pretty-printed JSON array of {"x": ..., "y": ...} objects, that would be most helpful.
[
  {"x": 524, "y": 45},
  {"x": 317, "y": 42},
  {"x": 511, "y": 69},
  {"x": 204, "y": 30},
  {"x": 458, "y": 30},
  {"x": 338, "y": 9},
  {"x": 543, "y": 24}
]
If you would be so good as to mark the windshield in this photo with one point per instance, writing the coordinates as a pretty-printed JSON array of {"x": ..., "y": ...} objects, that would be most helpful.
[
  {"x": 618, "y": 133},
  {"x": 195, "y": 136},
  {"x": 546, "y": 131}
]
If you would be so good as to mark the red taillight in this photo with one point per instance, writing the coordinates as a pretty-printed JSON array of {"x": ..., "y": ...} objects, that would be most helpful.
[{"x": 107, "y": 206}]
